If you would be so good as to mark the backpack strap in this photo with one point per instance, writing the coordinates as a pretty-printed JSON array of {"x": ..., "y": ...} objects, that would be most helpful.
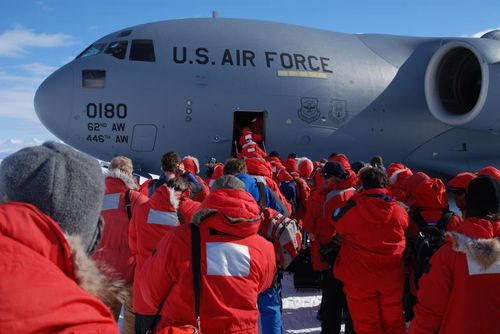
[
  {"x": 262, "y": 194},
  {"x": 418, "y": 219},
  {"x": 196, "y": 262},
  {"x": 128, "y": 206},
  {"x": 340, "y": 212},
  {"x": 445, "y": 218}
]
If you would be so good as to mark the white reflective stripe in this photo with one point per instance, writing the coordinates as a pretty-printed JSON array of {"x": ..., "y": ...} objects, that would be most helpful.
[
  {"x": 251, "y": 149},
  {"x": 111, "y": 201},
  {"x": 162, "y": 218},
  {"x": 332, "y": 194},
  {"x": 476, "y": 269},
  {"x": 227, "y": 259}
]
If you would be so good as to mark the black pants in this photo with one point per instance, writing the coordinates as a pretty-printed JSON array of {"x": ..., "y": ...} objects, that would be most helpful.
[{"x": 334, "y": 307}]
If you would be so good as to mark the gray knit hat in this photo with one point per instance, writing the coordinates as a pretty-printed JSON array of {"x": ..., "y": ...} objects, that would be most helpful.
[{"x": 65, "y": 184}]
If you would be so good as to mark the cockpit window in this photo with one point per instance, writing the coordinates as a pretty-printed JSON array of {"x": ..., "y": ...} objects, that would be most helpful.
[
  {"x": 92, "y": 50},
  {"x": 142, "y": 50},
  {"x": 117, "y": 49}
]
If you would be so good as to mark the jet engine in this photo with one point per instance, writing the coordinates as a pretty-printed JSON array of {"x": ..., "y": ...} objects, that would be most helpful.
[{"x": 462, "y": 83}]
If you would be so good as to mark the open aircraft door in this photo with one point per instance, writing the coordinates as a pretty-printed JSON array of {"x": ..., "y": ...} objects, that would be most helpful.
[{"x": 255, "y": 121}]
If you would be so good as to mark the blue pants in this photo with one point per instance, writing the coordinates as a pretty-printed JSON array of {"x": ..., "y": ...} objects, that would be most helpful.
[{"x": 269, "y": 303}]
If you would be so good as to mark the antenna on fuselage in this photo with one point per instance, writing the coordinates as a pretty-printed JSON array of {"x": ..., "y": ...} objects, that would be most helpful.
[{"x": 215, "y": 14}]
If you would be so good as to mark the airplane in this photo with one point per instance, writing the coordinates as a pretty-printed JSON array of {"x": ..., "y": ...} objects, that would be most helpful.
[{"x": 191, "y": 85}]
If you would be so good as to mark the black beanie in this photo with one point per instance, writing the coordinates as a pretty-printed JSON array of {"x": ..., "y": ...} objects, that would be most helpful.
[{"x": 482, "y": 198}]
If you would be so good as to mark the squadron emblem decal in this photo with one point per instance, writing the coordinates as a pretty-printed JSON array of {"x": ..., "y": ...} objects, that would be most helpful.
[
  {"x": 309, "y": 111},
  {"x": 338, "y": 113}
]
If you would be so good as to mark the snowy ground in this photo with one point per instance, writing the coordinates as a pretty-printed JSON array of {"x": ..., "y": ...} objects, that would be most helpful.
[{"x": 299, "y": 308}]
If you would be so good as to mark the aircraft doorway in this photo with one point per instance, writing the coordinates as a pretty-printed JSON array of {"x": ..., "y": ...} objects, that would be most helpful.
[{"x": 255, "y": 121}]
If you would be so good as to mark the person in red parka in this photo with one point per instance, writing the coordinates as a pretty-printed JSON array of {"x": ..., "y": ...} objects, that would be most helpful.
[
  {"x": 150, "y": 222},
  {"x": 333, "y": 301},
  {"x": 457, "y": 186},
  {"x": 113, "y": 251},
  {"x": 49, "y": 226},
  {"x": 397, "y": 174},
  {"x": 461, "y": 292},
  {"x": 199, "y": 190},
  {"x": 236, "y": 265},
  {"x": 370, "y": 261}
]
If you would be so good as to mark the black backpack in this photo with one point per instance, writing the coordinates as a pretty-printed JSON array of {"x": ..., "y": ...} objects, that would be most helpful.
[{"x": 429, "y": 240}]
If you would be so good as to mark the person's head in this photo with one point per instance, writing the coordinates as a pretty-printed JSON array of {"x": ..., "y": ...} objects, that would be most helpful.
[
  {"x": 65, "y": 184},
  {"x": 170, "y": 162},
  {"x": 333, "y": 172},
  {"x": 122, "y": 164},
  {"x": 482, "y": 197},
  {"x": 227, "y": 182},
  {"x": 292, "y": 155},
  {"x": 234, "y": 166},
  {"x": 376, "y": 161},
  {"x": 372, "y": 177},
  {"x": 357, "y": 165},
  {"x": 274, "y": 154}
]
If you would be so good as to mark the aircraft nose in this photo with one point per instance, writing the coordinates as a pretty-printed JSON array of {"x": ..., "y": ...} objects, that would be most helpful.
[{"x": 54, "y": 101}]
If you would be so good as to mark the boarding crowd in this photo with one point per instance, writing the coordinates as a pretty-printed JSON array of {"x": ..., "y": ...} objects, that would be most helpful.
[{"x": 186, "y": 254}]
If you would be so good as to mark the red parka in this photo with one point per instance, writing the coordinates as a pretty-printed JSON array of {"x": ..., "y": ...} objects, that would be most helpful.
[
  {"x": 150, "y": 222},
  {"x": 461, "y": 292},
  {"x": 38, "y": 285},
  {"x": 236, "y": 265},
  {"x": 113, "y": 249},
  {"x": 374, "y": 229}
]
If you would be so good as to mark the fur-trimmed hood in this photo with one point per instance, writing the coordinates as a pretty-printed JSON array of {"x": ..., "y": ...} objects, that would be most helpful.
[
  {"x": 127, "y": 179},
  {"x": 91, "y": 277},
  {"x": 191, "y": 164},
  {"x": 484, "y": 252},
  {"x": 230, "y": 211}
]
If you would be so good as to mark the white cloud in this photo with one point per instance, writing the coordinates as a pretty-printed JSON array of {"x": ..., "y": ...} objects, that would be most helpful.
[
  {"x": 14, "y": 144},
  {"x": 38, "y": 69},
  {"x": 18, "y": 103},
  {"x": 15, "y": 42}
]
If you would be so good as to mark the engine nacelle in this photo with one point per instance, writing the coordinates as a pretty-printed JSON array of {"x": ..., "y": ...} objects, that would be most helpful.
[{"x": 462, "y": 84}]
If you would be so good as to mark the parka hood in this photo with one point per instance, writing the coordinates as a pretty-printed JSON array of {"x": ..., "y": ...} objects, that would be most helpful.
[
  {"x": 230, "y": 211},
  {"x": 117, "y": 181},
  {"x": 374, "y": 205},
  {"x": 259, "y": 166},
  {"x": 164, "y": 199},
  {"x": 483, "y": 252}
]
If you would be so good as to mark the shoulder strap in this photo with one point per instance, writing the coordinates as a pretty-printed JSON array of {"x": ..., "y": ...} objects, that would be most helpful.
[
  {"x": 339, "y": 212},
  {"x": 443, "y": 221},
  {"x": 262, "y": 194},
  {"x": 195, "y": 244},
  {"x": 418, "y": 219},
  {"x": 127, "y": 204}
]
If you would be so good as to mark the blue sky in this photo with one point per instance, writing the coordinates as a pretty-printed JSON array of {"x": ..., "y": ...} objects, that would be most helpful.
[{"x": 38, "y": 36}]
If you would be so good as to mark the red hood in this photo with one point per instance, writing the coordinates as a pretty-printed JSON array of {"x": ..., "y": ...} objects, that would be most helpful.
[
  {"x": 479, "y": 228},
  {"x": 164, "y": 199},
  {"x": 25, "y": 224},
  {"x": 290, "y": 165},
  {"x": 397, "y": 174},
  {"x": 241, "y": 210},
  {"x": 257, "y": 166},
  {"x": 342, "y": 159},
  {"x": 374, "y": 210},
  {"x": 114, "y": 185},
  {"x": 283, "y": 176},
  {"x": 350, "y": 181},
  {"x": 429, "y": 194}
]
